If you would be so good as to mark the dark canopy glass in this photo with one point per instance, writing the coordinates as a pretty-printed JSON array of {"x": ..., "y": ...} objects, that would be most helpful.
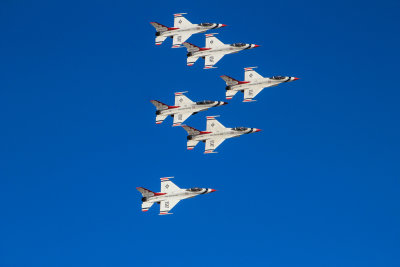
[{"x": 205, "y": 102}]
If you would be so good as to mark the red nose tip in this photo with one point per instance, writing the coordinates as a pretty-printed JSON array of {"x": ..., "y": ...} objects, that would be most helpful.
[
  {"x": 213, "y": 190},
  {"x": 294, "y": 78},
  {"x": 257, "y": 130},
  {"x": 256, "y": 46},
  {"x": 223, "y": 25}
]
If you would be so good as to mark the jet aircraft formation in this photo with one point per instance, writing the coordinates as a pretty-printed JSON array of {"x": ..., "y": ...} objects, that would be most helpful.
[{"x": 215, "y": 133}]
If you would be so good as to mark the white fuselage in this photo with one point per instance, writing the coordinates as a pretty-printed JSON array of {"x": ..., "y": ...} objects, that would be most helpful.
[
  {"x": 178, "y": 194},
  {"x": 193, "y": 108},
  {"x": 196, "y": 28},
  {"x": 263, "y": 82},
  {"x": 224, "y": 50},
  {"x": 225, "y": 134}
]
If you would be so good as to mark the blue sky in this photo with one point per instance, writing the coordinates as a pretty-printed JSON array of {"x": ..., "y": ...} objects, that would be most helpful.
[{"x": 319, "y": 186}]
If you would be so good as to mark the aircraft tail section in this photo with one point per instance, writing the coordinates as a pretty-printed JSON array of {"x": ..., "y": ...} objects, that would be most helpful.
[
  {"x": 191, "y": 144},
  {"x": 230, "y": 93},
  {"x": 191, "y": 47},
  {"x": 229, "y": 80},
  {"x": 145, "y": 192},
  {"x": 160, "y": 118},
  {"x": 159, "y": 27},
  {"x": 160, "y": 39},
  {"x": 191, "y": 130},
  {"x": 146, "y": 206},
  {"x": 159, "y": 105},
  {"x": 191, "y": 60}
]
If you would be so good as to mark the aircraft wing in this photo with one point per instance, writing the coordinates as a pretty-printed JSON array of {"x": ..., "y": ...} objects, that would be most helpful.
[
  {"x": 179, "y": 118},
  {"x": 213, "y": 125},
  {"x": 179, "y": 39},
  {"x": 181, "y": 22},
  {"x": 211, "y": 60},
  {"x": 251, "y": 75},
  {"x": 213, "y": 42},
  {"x": 167, "y": 205},
  {"x": 167, "y": 186},
  {"x": 212, "y": 144},
  {"x": 249, "y": 94},
  {"x": 182, "y": 100}
]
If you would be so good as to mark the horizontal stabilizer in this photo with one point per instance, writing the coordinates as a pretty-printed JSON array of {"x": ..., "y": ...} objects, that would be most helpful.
[
  {"x": 191, "y": 144},
  {"x": 230, "y": 94},
  {"x": 146, "y": 205},
  {"x": 160, "y": 118},
  {"x": 160, "y": 40},
  {"x": 191, "y": 60}
]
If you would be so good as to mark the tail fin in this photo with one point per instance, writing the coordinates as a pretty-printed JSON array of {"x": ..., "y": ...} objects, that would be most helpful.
[
  {"x": 191, "y": 47},
  {"x": 159, "y": 105},
  {"x": 191, "y": 130},
  {"x": 145, "y": 192},
  {"x": 229, "y": 80},
  {"x": 159, "y": 27}
]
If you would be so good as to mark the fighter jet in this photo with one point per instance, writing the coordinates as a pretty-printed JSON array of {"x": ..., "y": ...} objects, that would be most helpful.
[
  {"x": 253, "y": 84},
  {"x": 169, "y": 196},
  {"x": 183, "y": 108},
  {"x": 214, "y": 134},
  {"x": 214, "y": 50},
  {"x": 182, "y": 30}
]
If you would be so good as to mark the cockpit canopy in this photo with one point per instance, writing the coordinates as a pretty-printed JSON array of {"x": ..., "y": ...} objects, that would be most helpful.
[
  {"x": 239, "y": 129},
  {"x": 238, "y": 44},
  {"x": 205, "y": 102},
  {"x": 195, "y": 189},
  {"x": 206, "y": 24},
  {"x": 278, "y": 77}
]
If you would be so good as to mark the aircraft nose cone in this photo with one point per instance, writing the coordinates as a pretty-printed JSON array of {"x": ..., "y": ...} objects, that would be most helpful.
[
  {"x": 212, "y": 190},
  {"x": 254, "y": 46},
  {"x": 295, "y": 78},
  {"x": 257, "y": 130},
  {"x": 223, "y": 25},
  {"x": 224, "y": 103}
]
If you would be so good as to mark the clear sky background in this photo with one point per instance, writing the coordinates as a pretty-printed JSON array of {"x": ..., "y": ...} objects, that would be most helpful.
[{"x": 319, "y": 186}]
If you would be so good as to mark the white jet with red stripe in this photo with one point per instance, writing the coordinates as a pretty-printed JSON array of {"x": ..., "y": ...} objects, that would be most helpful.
[
  {"x": 169, "y": 195},
  {"x": 253, "y": 84},
  {"x": 214, "y": 50},
  {"x": 183, "y": 108},
  {"x": 214, "y": 134},
  {"x": 182, "y": 30}
]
